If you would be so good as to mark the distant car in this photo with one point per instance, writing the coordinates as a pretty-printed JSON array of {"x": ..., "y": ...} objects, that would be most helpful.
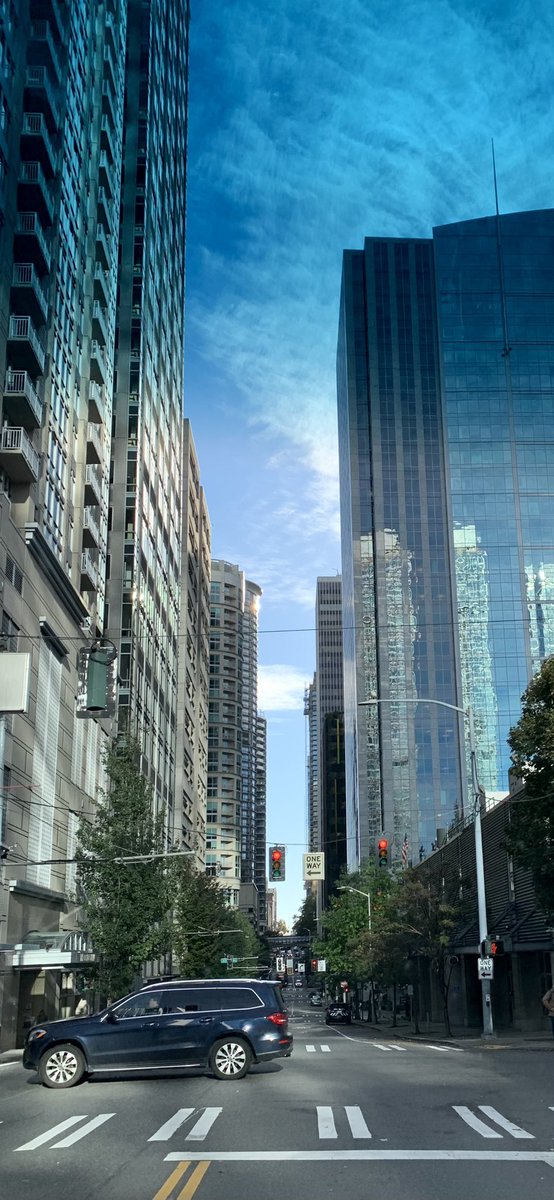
[
  {"x": 224, "y": 1024},
  {"x": 338, "y": 1014},
  {"x": 298, "y": 983},
  {"x": 315, "y": 1000}
]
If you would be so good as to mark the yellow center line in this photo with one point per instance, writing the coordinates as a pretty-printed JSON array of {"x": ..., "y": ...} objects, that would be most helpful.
[
  {"x": 167, "y": 1187},
  {"x": 195, "y": 1180}
]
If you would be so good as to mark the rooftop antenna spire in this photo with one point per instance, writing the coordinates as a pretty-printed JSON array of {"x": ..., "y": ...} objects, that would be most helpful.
[{"x": 506, "y": 348}]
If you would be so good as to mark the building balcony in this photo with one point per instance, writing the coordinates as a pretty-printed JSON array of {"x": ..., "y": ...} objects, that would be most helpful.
[
  {"x": 98, "y": 368},
  {"x": 89, "y": 572},
  {"x": 102, "y": 287},
  {"x": 105, "y": 174},
  {"x": 96, "y": 404},
  {"x": 94, "y": 443},
  {"x": 105, "y": 209},
  {"x": 112, "y": 34},
  {"x": 109, "y": 66},
  {"x": 30, "y": 244},
  {"x": 91, "y": 528},
  {"x": 102, "y": 246},
  {"x": 33, "y": 192},
  {"x": 108, "y": 102},
  {"x": 42, "y": 48},
  {"x": 93, "y": 486},
  {"x": 25, "y": 349},
  {"x": 18, "y": 457},
  {"x": 106, "y": 138},
  {"x": 40, "y": 96},
  {"x": 100, "y": 330},
  {"x": 36, "y": 142},
  {"x": 27, "y": 293},
  {"x": 22, "y": 403},
  {"x": 50, "y": 11}
]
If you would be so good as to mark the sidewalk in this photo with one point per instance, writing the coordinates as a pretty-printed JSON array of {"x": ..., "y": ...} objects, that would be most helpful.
[
  {"x": 11, "y": 1056},
  {"x": 503, "y": 1039}
]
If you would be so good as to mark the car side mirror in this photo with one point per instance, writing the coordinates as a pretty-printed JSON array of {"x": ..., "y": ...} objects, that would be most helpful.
[{"x": 111, "y": 1017}]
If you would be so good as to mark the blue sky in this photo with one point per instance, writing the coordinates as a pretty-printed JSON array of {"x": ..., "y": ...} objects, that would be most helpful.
[{"x": 312, "y": 126}]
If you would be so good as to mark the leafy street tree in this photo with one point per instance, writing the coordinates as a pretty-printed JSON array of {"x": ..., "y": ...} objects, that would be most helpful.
[
  {"x": 530, "y": 837},
  {"x": 205, "y": 929},
  {"x": 305, "y": 921},
  {"x": 126, "y": 906}
]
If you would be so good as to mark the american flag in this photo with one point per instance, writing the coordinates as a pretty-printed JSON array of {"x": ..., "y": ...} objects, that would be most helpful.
[{"x": 405, "y": 851}]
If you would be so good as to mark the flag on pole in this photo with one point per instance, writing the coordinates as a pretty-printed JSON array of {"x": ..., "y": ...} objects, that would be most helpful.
[{"x": 405, "y": 851}]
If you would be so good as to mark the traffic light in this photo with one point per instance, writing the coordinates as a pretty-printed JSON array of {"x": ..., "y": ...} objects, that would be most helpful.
[
  {"x": 383, "y": 851},
  {"x": 496, "y": 948},
  {"x": 276, "y": 864},
  {"x": 97, "y": 680}
]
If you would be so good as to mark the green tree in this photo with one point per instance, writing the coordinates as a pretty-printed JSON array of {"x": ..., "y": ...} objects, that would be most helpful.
[
  {"x": 200, "y": 913},
  {"x": 126, "y": 906},
  {"x": 304, "y": 923},
  {"x": 530, "y": 836}
]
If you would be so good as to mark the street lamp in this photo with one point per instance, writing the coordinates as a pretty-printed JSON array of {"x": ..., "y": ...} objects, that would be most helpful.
[
  {"x": 342, "y": 887},
  {"x": 479, "y": 865}
]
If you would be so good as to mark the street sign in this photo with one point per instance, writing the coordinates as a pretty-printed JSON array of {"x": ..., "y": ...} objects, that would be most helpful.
[
  {"x": 314, "y": 866},
  {"x": 290, "y": 964},
  {"x": 344, "y": 985},
  {"x": 321, "y": 964},
  {"x": 485, "y": 968}
]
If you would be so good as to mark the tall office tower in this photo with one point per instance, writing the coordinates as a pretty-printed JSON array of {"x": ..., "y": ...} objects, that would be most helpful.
[
  {"x": 145, "y": 493},
  {"x": 446, "y": 415},
  {"x": 61, "y": 109},
  {"x": 310, "y": 711},
  {"x": 330, "y": 729},
  {"x": 233, "y": 733},
  {"x": 260, "y": 822},
  {"x": 194, "y": 660}
]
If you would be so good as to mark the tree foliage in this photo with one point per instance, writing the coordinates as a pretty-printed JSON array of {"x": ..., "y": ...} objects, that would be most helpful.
[
  {"x": 205, "y": 928},
  {"x": 304, "y": 924},
  {"x": 126, "y": 906},
  {"x": 530, "y": 837}
]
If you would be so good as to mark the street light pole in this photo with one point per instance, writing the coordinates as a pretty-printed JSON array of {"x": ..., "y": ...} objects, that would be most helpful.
[
  {"x": 342, "y": 887},
  {"x": 479, "y": 863}
]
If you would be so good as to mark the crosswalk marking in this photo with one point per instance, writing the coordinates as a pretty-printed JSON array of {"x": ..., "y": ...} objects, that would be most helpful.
[
  {"x": 203, "y": 1125},
  {"x": 51, "y": 1133},
  {"x": 470, "y": 1119},
  {"x": 326, "y": 1049},
  {"x": 82, "y": 1132},
  {"x": 326, "y": 1127},
  {"x": 494, "y": 1115},
  {"x": 356, "y": 1121},
  {"x": 401, "y": 1049},
  {"x": 166, "y": 1130},
  {"x": 446, "y": 1049},
  {"x": 379, "y": 1046},
  {"x": 313, "y": 1049},
  {"x": 310, "y": 1049}
]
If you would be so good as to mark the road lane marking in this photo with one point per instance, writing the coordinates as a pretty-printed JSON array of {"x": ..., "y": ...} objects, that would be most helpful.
[
  {"x": 326, "y": 1127},
  {"x": 326, "y": 1049},
  {"x": 379, "y": 1046},
  {"x": 402, "y": 1049},
  {"x": 470, "y": 1119},
  {"x": 356, "y": 1121},
  {"x": 509, "y": 1126},
  {"x": 167, "y": 1187},
  {"x": 166, "y": 1131},
  {"x": 513, "y": 1156},
  {"x": 203, "y": 1125},
  {"x": 51, "y": 1133},
  {"x": 193, "y": 1182},
  {"x": 310, "y": 1049},
  {"x": 82, "y": 1132}
]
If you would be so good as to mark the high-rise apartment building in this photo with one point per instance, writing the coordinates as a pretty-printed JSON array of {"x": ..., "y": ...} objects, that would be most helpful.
[
  {"x": 331, "y": 803},
  {"x": 194, "y": 661},
  {"x": 145, "y": 493},
  {"x": 260, "y": 820},
  {"x": 61, "y": 113},
  {"x": 446, "y": 415},
  {"x": 236, "y": 749},
  {"x": 310, "y": 712}
]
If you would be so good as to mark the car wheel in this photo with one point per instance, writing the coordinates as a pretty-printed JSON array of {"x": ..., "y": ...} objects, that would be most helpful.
[
  {"x": 62, "y": 1066},
  {"x": 230, "y": 1058}
]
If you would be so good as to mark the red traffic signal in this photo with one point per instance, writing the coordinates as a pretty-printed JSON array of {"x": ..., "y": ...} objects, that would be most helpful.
[
  {"x": 276, "y": 855},
  {"x": 383, "y": 852},
  {"x": 496, "y": 948},
  {"x": 276, "y": 864}
]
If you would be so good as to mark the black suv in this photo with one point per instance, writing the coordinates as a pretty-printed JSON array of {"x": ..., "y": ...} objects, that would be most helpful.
[{"x": 223, "y": 1024}]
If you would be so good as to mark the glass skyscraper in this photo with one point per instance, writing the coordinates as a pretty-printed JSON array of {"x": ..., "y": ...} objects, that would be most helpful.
[{"x": 446, "y": 432}]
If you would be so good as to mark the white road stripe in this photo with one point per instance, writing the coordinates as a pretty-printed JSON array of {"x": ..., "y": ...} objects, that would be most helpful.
[
  {"x": 441, "y": 1049},
  {"x": 356, "y": 1121},
  {"x": 82, "y": 1132},
  {"x": 509, "y": 1126},
  {"x": 325, "y": 1122},
  {"x": 310, "y": 1049},
  {"x": 513, "y": 1156},
  {"x": 378, "y": 1046},
  {"x": 51, "y": 1133},
  {"x": 401, "y": 1049},
  {"x": 203, "y": 1125},
  {"x": 166, "y": 1131},
  {"x": 470, "y": 1119},
  {"x": 326, "y": 1049}
]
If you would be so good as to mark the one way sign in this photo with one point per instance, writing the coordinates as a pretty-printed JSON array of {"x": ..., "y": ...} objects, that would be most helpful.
[{"x": 314, "y": 866}]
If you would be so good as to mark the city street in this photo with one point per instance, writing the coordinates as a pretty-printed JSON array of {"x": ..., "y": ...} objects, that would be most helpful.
[{"x": 349, "y": 1114}]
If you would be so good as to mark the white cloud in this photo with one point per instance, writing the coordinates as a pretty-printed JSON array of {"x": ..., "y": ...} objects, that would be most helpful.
[{"x": 280, "y": 688}]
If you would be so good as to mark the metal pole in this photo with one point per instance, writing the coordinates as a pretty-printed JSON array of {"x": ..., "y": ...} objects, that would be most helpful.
[{"x": 480, "y": 875}]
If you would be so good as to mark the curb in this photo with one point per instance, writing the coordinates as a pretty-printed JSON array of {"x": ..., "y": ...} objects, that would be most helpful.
[{"x": 494, "y": 1043}]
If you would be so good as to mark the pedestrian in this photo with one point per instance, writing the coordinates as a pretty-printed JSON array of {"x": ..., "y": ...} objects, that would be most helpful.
[
  {"x": 548, "y": 1003},
  {"x": 81, "y": 1009}
]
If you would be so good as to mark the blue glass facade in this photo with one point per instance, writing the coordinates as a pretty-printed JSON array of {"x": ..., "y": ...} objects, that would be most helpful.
[{"x": 446, "y": 437}]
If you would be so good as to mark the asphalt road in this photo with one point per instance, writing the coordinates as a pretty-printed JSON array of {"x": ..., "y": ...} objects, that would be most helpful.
[{"x": 349, "y": 1115}]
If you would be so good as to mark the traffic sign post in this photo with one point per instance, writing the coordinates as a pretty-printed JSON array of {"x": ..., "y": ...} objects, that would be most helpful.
[
  {"x": 314, "y": 866},
  {"x": 485, "y": 968}
]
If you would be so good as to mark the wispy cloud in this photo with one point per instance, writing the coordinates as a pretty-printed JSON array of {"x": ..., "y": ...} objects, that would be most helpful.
[{"x": 280, "y": 688}]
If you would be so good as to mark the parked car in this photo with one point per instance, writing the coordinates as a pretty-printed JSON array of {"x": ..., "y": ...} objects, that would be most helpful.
[
  {"x": 316, "y": 1000},
  {"x": 338, "y": 1014},
  {"x": 224, "y": 1024}
]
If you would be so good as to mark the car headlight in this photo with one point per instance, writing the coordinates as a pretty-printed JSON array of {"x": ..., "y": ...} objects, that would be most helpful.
[{"x": 35, "y": 1034}]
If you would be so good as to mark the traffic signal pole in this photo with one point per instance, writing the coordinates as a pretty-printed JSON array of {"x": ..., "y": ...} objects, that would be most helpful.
[{"x": 479, "y": 864}]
